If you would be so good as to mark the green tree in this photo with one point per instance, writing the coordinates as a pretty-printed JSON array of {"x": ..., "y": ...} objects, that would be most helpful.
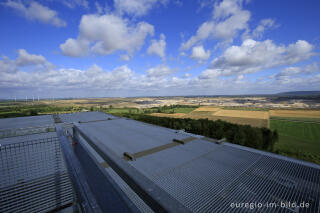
[{"x": 33, "y": 112}]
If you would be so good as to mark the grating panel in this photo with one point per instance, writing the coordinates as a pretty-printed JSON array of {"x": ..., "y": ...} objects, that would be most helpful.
[
  {"x": 84, "y": 117},
  {"x": 26, "y": 122},
  {"x": 271, "y": 182},
  {"x": 33, "y": 176},
  {"x": 138, "y": 136},
  {"x": 173, "y": 158},
  {"x": 27, "y": 137},
  {"x": 7, "y": 133},
  {"x": 195, "y": 182},
  {"x": 209, "y": 180}
]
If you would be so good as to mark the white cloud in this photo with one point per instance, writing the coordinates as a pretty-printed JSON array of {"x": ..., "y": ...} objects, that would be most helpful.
[
  {"x": 203, "y": 33},
  {"x": 158, "y": 80},
  {"x": 229, "y": 28},
  {"x": 262, "y": 27},
  {"x": 210, "y": 74},
  {"x": 289, "y": 71},
  {"x": 159, "y": 71},
  {"x": 75, "y": 47},
  {"x": 7, "y": 65},
  {"x": 125, "y": 57},
  {"x": 299, "y": 51},
  {"x": 98, "y": 7},
  {"x": 228, "y": 20},
  {"x": 158, "y": 47},
  {"x": 32, "y": 61},
  {"x": 36, "y": 11},
  {"x": 74, "y": 3},
  {"x": 226, "y": 8},
  {"x": 199, "y": 53},
  {"x": 136, "y": 7},
  {"x": 253, "y": 56},
  {"x": 29, "y": 59},
  {"x": 187, "y": 75},
  {"x": 106, "y": 34}
]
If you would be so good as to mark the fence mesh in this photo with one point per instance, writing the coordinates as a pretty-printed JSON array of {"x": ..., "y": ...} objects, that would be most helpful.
[{"x": 33, "y": 176}]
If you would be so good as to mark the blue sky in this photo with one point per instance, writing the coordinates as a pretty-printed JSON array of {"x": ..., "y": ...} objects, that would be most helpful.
[{"x": 82, "y": 48}]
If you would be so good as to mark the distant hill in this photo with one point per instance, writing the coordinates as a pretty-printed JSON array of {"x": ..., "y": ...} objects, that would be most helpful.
[{"x": 299, "y": 93}]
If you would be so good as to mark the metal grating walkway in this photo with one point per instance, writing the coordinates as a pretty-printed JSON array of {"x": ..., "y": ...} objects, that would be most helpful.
[
  {"x": 33, "y": 176},
  {"x": 211, "y": 180}
]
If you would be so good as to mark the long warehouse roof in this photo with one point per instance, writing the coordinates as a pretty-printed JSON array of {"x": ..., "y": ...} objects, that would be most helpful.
[
  {"x": 203, "y": 175},
  {"x": 206, "y": 176}
]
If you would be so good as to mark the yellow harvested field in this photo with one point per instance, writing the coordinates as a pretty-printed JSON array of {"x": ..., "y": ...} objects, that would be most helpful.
[
  {"x": 244, "y": 121},
  {"x": 295, "y": 113},
  {"x": 170, "y": 115},
  {"x": 254, "y": 118},
  {"x": 242, "y": 114},
  {"x": 207, "y": 109}
]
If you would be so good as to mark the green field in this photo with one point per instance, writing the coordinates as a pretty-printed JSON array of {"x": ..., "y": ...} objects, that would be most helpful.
[
  {"x": 316, "y": 120},
  {"x": 123, "y": 110},
  {"x": 298, "y": 139},
  {"x": 180, "y": 110},
  {"x": 245, "y": 108}
]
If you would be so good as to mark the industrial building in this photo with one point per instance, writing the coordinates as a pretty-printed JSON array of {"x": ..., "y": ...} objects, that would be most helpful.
[{"x": 95, "y": 162}]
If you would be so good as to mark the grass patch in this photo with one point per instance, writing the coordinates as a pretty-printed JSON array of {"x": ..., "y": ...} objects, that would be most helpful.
[
  {"x": 245, "y": 108},
  {"x": 123, "y": 110},
  {"x": 180, "y": 110},
  {"x": 317, "y": 120},
  {"x": 298, "y": 139}
]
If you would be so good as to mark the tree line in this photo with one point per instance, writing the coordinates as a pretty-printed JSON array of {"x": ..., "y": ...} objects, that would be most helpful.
[{"x": 258, "y": 138}]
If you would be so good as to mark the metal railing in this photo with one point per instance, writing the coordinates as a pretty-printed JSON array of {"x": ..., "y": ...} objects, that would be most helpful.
[
  {"x": 6, "y": 133},
  {"x": 33, "y": 177}
]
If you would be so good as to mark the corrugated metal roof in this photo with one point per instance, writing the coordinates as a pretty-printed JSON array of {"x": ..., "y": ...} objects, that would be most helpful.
[
  {"x": 123, "y": 135},
  {"x": 202, "y": 175},
  {"x": 84, "y": 117},
  {"x": 24, "y": 122},
  {"x": 208, "y": 177}
]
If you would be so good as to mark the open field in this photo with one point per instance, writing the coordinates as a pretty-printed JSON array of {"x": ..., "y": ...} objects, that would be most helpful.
[
  {"x": 180, "y": 110},
  {"x": 298, "y": 139},
  {"x": 253, "y": 118},
  {"x": 242, "y": 114},
  {"x": 246, "y": 108},
  {"x": 170, "y": 115},
  {"x": 293, "y": 119},
  {"x": 249, "y": 103},
  {"x": 207, "y": 109},
  {"x": 295, "y": 113}
]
